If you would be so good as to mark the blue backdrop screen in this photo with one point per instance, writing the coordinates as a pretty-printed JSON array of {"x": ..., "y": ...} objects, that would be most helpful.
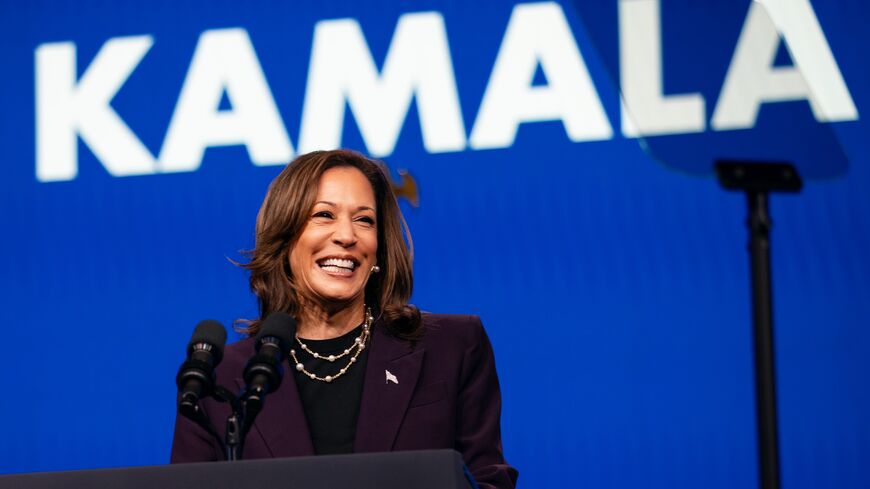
[{"x": 562, "y": 154}]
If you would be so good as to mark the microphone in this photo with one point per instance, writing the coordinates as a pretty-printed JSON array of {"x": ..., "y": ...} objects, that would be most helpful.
[
  {"x": 196, "y": 377},
  {"x": 264, "y": 372}
]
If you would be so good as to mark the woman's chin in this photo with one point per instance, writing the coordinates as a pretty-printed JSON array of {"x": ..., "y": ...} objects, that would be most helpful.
[{"x": 337, "y": 296}]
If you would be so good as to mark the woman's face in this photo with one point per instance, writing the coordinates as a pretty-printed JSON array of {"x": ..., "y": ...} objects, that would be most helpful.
[{"x": 333, "y": 256}]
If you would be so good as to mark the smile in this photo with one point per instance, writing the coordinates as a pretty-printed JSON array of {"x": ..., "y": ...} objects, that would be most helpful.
[{"x": 338, "y": 266}]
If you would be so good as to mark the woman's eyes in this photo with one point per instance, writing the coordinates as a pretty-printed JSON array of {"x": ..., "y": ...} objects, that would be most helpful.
[{"x": 328, "y": 215}]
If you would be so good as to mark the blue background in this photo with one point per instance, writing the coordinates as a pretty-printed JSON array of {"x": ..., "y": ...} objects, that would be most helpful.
[{"x": 614, "y": 287}]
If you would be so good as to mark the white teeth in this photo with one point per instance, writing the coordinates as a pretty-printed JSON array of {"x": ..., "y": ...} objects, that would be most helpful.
[
  {"x": 337, "y": 262},
  {"x": 334, "y": 269}
]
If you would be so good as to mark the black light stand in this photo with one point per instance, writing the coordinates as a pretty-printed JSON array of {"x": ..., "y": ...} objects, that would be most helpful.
[{"x": 757, "y": 180}]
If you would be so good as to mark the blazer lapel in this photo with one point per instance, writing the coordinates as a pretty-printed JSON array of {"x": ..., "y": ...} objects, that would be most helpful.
[
  {"x": 384, "y": 401},
  {"x": 282, "y": 423}
]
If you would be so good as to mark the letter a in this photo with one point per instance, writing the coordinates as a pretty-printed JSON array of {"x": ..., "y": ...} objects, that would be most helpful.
[
  {"x": 224, "y": 60},
  {"x": 753, "y": 80}
]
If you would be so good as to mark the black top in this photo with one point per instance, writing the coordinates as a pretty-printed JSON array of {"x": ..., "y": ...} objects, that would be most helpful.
[{"x": 331, "y": 409}]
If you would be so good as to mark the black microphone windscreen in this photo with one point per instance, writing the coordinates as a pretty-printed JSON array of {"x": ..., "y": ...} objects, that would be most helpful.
[
  {"x": 211, "y": 332},
  {"x": 278, "y": 325}
]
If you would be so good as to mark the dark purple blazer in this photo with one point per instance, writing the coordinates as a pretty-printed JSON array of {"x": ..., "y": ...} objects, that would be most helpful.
[{"x": 447, "y": 396}]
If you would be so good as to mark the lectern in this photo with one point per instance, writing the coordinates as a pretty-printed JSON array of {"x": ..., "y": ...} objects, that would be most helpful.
[{"x": 425, "y": 469}]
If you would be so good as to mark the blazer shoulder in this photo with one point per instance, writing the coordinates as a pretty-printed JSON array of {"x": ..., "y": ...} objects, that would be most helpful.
[
  {"x": 431, "y": 319},
  {"x": 464, "y": 328}
]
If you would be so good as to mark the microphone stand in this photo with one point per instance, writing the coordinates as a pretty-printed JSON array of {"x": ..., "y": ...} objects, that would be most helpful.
[
  {"x": 233, "y": 438},
  {"x": 757, "y": 180},
  {"x": 262, "y": 374},
  {"x": 240, "y": 420},
  {"x": 244, "y": 410}
]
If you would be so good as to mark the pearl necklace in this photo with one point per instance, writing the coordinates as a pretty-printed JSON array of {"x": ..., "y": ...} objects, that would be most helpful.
[{"x": 358, "y": 346}]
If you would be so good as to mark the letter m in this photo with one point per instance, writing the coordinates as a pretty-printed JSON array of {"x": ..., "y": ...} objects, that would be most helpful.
[{"x": 417, "y": 65}]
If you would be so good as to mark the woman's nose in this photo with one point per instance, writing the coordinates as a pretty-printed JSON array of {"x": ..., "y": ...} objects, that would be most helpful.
[{"x": 344, "y": 233}]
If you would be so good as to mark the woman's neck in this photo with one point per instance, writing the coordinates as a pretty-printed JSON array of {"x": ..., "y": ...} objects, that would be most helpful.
[{"x": 316, "y": 322}]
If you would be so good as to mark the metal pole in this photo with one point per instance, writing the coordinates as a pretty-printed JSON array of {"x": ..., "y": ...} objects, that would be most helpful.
[{"x": 759, "y": 224}]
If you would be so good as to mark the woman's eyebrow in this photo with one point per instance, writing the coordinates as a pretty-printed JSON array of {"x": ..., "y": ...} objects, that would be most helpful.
[{"x": 360, "y": 208}]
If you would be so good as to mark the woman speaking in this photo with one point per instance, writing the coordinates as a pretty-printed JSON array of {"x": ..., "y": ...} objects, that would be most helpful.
[{"x": 370, "y": 373}]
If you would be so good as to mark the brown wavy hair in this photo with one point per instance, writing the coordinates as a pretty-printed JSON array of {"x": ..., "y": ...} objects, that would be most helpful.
[{"x": 284, "y": 215}]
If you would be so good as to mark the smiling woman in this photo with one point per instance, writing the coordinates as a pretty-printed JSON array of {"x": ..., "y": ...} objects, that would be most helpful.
[
  {"x": 332, "y": 205},
  {"x": 371, "y": 373},
  {"x": 337, "y": 250}
]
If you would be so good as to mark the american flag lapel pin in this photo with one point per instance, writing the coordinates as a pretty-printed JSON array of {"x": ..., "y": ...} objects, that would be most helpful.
[{"x": 391, "y": 378}]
